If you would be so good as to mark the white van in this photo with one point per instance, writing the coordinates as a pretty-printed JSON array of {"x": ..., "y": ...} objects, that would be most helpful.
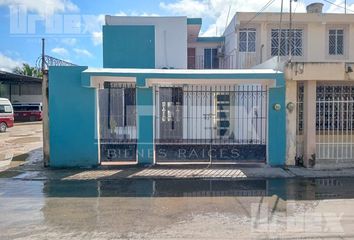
[{"x": 6, "y": 114}]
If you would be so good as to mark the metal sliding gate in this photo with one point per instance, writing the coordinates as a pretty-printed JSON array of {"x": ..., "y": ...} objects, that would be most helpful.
[
  {"x": 210, "y": 123},
  {"x": 117, "y": 115}
]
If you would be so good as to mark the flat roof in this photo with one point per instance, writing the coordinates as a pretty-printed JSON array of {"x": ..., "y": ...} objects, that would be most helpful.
[
  {"x": 297, "y": 17},
  {"x": 179, "y": 71},
  {"x": 17, "y": 78}
]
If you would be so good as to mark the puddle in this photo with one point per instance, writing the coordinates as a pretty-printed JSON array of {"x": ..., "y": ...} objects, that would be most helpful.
[{"x": 296, "y": 189}]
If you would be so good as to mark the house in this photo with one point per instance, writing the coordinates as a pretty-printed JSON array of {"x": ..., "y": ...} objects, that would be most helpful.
[
  {"x": 317, "y": 59},
  {"x": 164, "y": 95}
]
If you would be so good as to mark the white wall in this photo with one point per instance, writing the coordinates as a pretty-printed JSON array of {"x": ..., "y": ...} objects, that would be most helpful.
[{"x": 170, "y": 38}]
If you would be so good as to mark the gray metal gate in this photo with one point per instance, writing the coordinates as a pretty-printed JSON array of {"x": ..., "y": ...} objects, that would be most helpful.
[
  {"x": 117, "y": 109},
  {"x": 210, "y": 123}
]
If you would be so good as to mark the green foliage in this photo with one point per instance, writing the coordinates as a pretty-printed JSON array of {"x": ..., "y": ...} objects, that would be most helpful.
[{"x": 27, "y": 70}]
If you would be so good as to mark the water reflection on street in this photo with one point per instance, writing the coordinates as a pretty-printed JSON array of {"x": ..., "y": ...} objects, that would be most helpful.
[{"x": 176, "y": 208}]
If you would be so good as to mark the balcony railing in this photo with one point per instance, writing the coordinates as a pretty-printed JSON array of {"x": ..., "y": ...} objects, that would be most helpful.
[{"x": 237, "y": 61}]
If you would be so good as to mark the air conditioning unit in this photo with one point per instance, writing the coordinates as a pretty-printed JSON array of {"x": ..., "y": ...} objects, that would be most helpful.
[{"x": 221, "y": 51}]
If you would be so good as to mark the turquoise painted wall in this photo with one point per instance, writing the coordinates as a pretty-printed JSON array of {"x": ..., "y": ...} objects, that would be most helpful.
[
  {"x": 276, "y": 119},
  {"x": 145, "y": 125},
  {"x": 277, "y": 124},
  {"x": 129, "y": 46},
  {"x": 72, "y": 121}
]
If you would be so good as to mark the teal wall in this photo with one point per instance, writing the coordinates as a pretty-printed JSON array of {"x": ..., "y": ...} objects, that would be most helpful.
[
  {"x": 73, "y": 114},
  {"x": 72, "y": 119},
  {"x": 129, "y": 46},
  {"x": 145, "y": 125},
  {"x": 277, "y": 124}
]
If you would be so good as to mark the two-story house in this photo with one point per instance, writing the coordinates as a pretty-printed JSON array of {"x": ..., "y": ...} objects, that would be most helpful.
[
  {"x": 316, "y": 53},
  {"x": 161, "y": 97}
]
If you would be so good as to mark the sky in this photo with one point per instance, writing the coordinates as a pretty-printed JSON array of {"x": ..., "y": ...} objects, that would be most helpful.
[{"x": 73, "y": 28}]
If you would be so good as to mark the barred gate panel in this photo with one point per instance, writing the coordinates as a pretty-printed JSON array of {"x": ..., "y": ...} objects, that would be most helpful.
[
  {"x": 117, "y": 122},
  {"x": 334, "y": 122},
  {"x": 199, "y": 123}
]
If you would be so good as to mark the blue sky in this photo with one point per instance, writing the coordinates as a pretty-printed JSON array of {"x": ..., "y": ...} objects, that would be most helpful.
[{"x": 80, "y": 41}]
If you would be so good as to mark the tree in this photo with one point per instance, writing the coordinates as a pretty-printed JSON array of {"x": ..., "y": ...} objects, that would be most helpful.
[{"x": 27, "y": 70}]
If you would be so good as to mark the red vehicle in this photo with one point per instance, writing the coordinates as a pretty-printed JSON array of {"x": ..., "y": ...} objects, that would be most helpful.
[
  {"x": 6, "y": 115},
  {"x": 27, "y": 111}
]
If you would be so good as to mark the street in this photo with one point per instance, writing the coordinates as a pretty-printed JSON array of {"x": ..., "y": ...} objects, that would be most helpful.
[{"x": 165, "y": 202}]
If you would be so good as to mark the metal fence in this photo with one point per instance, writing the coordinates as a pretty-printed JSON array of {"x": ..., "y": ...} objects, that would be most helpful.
[
  {"x": 117, "y": 110},
  {"x": 334, "y": 122},
  {"x": 205, "y": 118}
]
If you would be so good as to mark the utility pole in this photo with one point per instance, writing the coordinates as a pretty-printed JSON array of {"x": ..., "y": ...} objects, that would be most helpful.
[
  {"x": 290, "y": 34},
  {"x": 45, "y": 105},
  {"x": 345, "y": 6}
]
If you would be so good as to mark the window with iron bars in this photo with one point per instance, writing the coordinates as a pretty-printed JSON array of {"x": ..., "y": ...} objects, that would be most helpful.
[
  {"x": 334, "y": 107},
  {"x": 247, "y": 40},
  {"x": 296, "y": 42},
  {"x": 335, "y": 41}
]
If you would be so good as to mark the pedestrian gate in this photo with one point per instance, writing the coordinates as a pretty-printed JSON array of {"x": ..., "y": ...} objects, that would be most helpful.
[
  {"x": 210, "y": 123},
  {"x": 117, "y": 122}
]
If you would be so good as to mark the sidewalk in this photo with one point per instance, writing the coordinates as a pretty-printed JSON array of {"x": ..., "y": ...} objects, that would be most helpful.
[{"x": 33, "y": 169}]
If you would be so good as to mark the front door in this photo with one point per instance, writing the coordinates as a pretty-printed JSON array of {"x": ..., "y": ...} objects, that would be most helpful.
[{"x": 171, "y": 102}]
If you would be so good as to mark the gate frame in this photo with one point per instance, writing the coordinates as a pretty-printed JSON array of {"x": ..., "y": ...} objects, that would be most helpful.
[
  {"x": 276, "y": 142},
  {"x": 155, "y": 83}
]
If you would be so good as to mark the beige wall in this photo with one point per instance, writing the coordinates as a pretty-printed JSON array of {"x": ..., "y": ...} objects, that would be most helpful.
[{"x": 315, "y": 37}]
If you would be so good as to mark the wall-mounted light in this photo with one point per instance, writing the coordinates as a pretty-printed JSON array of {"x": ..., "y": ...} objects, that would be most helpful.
[
  {"x": 277, "y": 107},
  {"x": 290, "y": 106},
  {"x": 348, "y": 68}
]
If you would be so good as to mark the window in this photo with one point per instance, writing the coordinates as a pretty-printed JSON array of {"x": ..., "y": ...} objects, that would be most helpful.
[
  {"x": 211, "y": 60},
  {"x": 247, "y": 40},
  {"x": 335, "y": 41},
  {"x": 285, "y": 46},
  {"x": 20, "y": 108},
  {"x": 5, "y": 109}
]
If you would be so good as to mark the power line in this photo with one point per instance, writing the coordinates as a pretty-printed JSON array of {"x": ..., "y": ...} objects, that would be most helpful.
[
  {"x": 268, "y": 4},
  {"x": 337, "y": 5}
]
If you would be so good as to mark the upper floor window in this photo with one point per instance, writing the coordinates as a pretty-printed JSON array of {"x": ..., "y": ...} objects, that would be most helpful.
[
  {"x": 336, "y": 41},
  {"x": 247, "y": 40},
  {"x": 211, "y": 60},
  {"x": 284, "y": 46}
]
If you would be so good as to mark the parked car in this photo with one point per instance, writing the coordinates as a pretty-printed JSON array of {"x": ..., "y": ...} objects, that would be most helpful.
[
  {"x": 27, "y": 111},
  {"x": 6, "y": 114}
]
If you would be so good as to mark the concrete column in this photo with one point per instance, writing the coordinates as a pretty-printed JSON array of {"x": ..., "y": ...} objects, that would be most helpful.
[
  {"x": 309, "y": 120},
  {"x": 291, "y": 124}
]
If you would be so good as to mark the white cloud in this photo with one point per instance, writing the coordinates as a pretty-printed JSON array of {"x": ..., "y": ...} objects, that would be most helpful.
[
  {"x": 97, "y": 38},
  {"x": 216, "y": 10},
  {"x": 190, "y": 8},
  {"x": 340, "y": 7},
  {"x": 69, "y": 41},
  {"x": 82, "y": 52},
  {"x": 43, "y": 7},
  {"x": 60, "y": 51},
  {"x": 8, "y": 64}
]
